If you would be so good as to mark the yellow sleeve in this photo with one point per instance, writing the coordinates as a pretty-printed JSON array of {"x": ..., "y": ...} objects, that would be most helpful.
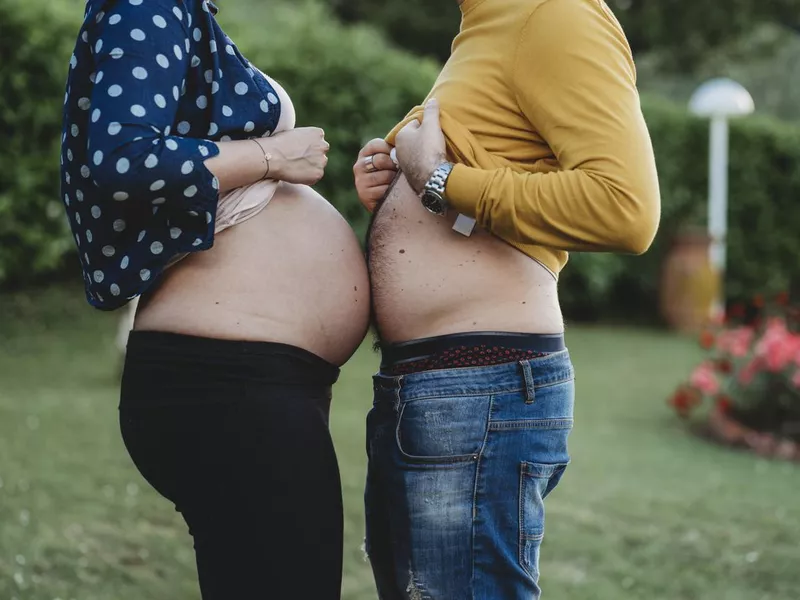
[{"x": 575, "y": 82}]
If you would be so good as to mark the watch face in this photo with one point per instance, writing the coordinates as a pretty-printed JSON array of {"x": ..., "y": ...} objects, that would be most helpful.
[{"x": 433, "y": 202}]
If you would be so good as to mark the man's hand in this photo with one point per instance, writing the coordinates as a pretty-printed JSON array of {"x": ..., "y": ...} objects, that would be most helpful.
[
  {"x": 374, "y": 170},
  {"x": 420, "y": 147}
]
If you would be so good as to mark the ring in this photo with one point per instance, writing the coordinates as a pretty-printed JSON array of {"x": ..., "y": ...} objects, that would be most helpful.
[{"x": 369, "y": 164}]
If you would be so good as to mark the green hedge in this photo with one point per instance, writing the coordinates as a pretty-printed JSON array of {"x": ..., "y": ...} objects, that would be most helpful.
[{"x": 349, "y": 81}]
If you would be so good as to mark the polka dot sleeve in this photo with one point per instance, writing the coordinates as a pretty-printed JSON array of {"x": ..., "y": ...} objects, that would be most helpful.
[{"x": 141, "y": 55}]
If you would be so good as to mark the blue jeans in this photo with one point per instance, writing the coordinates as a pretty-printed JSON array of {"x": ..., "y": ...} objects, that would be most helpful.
[{"x": 460, "y": 461}]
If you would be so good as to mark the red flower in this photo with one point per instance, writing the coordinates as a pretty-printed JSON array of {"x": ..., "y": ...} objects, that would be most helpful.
[
  {"x": 782, "y": 299},
  {"x": 735, "y": 342},
  {"x": 707, "y": 340},
  {"x": 704, "y": 378},
  {"x": 723, "y": 404},
  {"x": 725, "y": 366},
  {"x": 778, "y": 346},
  {"x": 748, "y": 373},
  {"x": 683, "y": 400}
]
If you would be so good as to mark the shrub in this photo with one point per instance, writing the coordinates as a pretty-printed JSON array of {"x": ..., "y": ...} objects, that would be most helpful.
[
  {"x": 35, "y": 45},
  {"x": 751, "y": 373}
]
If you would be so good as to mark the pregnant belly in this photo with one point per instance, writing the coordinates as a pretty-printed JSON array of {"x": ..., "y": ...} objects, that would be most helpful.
[
  {"x": 428, "y": 280},
  {"x": 294, "y": 274}
]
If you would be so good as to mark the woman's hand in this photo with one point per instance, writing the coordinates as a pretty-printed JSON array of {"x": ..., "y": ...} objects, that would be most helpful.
[
  {"x": 297, "y": 156},
  {"x": 374, "y": 170}
]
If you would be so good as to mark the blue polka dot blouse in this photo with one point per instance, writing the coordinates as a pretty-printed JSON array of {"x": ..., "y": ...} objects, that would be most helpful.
[{"x": 153, "y": 84}]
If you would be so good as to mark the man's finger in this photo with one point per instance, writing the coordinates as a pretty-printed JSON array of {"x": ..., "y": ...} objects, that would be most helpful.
[
  {"x": 383, "y": 162},
  {"x": 379, "y": 178},
  {"x": 376, "y": 146},
  {"x": 431, "y": 115}
]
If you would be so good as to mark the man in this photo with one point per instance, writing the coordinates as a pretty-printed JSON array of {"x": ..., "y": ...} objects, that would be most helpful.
[{"x": 536, "y": 132}]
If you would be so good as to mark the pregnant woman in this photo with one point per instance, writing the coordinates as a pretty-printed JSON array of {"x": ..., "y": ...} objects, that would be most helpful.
[{"x": 186, "y": 184}]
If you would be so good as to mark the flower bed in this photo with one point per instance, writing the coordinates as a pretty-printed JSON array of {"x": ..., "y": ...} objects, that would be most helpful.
[{"x": 750, "y": 380}]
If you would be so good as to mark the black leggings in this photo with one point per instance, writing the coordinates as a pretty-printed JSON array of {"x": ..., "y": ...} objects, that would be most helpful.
[{"x": 235, "y": 434}]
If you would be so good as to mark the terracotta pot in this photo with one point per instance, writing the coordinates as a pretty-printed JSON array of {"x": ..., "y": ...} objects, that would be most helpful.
[{"x": 689, "y": 284}]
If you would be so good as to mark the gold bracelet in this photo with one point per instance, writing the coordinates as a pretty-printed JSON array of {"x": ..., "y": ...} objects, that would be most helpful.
[{"x": 267, "y": 157}]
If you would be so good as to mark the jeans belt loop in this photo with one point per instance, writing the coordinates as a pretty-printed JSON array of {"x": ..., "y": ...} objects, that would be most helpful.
[{"x": 527, "y": 373}]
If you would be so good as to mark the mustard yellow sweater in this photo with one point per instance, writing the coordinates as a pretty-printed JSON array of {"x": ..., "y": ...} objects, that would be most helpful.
[{"x": 541, "y": 114}]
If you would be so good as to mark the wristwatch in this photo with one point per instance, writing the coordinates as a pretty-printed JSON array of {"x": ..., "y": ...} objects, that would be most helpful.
[{"x": 432, "y": 196}]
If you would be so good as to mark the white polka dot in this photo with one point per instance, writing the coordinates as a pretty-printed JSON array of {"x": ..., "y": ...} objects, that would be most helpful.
[
  {"x": 84, "y": 103},
  {"x": 156, "y": 247},
  {"x": 183, "y": 88},
  {"x": 98, "y": 276},
  {"x": 225, "y": 138},
  {"x": 272, "y": 98},
  {"x": 151, "y": 161},
  {"x": 178, "y": 52},
  {"x": 176, "y": 93},
  {"x": 190, "y": 192},
  {"x": 88, "y": 262},
  {"x": 77, "y": 239},
  {"x": 213, "y": 129},
  {"x": 171, "y": 144},
  {"x": 98, "y": 46},
  {"x": 158, "y": 201},
  {"x": 120, "y": 196},
  {"x": 160, "y": 101},
  {"x": 135, "y": 2},
  {"x": 187, "y": 167},
  {"x": 74, "y": 130},
  {"x": 100, "y": 16},
  {"x": 208, "y": 217},
  {"x": 175, "y": 233},
  {"x": 73, "y": 62},
  {"x": 85, "y": 36},
  {"x": 138, "y": 110},
  {"x": 138, "y": 35},
  {"x": 202, "y": 102},
  {"x": 67, "y": 177},
  {"x": 109, "y": 251},
  {"x": 117, "y": 53},
  {"x": 77, "y": 217},
  {"x": 203, "y": 151},
  {"x": 119, "y": 225},
  {"x": 167, "y": 129},
  {"x": 215, "y": 183},
  {"x": 184, "y": 127},
  {"x": 66, "y": 199},
  {"x": 159, "y": 22},
  {"x": 114, "y": 128},
  {"x": 114, "y": 289},
  {"x": 96, "y": 212},
  {"x": 227, "y": 111},
  {"x": 99, "y": 77},
  {"x": 85, "y": 172},
  {"x": 144, "y": 274},
  {"x": 197, "y": 242},
  {"x": 115, "y": 90},
  {"x": 264, "y": 106},
  {"x": 140, "y": 73},
  {"x": 114, "y": 19},
  {"x": 79, "y": 195},
  {"x": 95, "y": 115},
  {"x": 158, "y": 185},
  {"x": 69, "y": 155},
  {"x": 98, "y": 157},
  {"x": 241, "y": 88},
  {"x": 213, "y": 46},
  {"x": 195, "y": 61},
  {"x": 193, "y": 213},
  {"x": 214, "y": 87},
  {"x": 162, "y": 61},
  {"x": 188, "y": 45},
  {"x": 123, "y": 165},
  {"x": 123, "y": 264},
  {"x": 230, "y": 50},
  {"x": 142, "y": 233},
  {"x": 178, "y": 13},
  {"x": 189, "y": 19},
  {"x": 251, "y": 72},
  {"x": 89, "y": 236}
]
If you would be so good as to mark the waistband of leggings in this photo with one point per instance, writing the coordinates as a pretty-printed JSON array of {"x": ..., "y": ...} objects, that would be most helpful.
[
  {"x": 272, "y": 361},
  {"x": 400, "y": 353}
]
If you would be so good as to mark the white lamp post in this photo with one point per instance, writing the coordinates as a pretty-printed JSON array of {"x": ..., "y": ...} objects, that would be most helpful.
[{"x": 719, "y": 100}]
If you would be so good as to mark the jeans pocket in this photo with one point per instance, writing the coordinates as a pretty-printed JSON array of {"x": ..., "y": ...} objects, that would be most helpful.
[
  {"x": 443, "y": 430},
  {"x": 537, "y": 480}
]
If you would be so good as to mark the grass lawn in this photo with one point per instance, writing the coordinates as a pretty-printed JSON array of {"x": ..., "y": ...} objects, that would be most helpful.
[{"x": 646, "y": 511}]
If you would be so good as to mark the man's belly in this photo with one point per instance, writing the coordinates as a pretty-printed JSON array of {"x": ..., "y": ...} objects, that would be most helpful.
[
  {"x": 294, "y": 274},
  {"x": 428, "y": 280}
]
